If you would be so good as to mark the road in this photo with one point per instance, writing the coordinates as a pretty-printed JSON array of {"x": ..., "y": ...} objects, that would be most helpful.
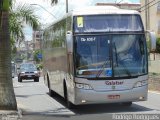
[{"x": 35, "y": 103}]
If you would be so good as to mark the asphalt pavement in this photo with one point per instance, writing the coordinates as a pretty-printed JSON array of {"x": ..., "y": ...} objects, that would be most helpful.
[{"x": 35, "y": 103}]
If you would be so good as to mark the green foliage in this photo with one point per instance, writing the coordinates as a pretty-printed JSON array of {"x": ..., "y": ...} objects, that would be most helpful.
[
  {"x": 158, "y": 45},
  {"x": 39, "y": 66},
  {"x": 19, "y": 15},
  {"x": 148, "y": 45},
  {"x": 25, "y": 13},
  {"x": 36, "y": 55}
]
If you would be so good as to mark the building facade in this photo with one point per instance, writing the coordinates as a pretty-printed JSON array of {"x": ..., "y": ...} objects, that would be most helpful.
[
  {"x": 150, "y": 12},
  {"x": 37, "y": 39},
  {"x": 135, "y": 6}
]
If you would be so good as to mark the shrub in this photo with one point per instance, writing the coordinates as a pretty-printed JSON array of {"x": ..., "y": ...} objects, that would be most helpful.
[{"x": 158, "y": 45}]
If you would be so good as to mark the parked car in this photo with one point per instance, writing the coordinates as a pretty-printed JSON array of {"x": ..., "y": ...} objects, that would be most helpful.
[{"x": 28, "y": 71}]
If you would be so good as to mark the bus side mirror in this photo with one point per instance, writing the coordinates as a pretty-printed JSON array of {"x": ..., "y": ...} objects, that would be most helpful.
[
  {"x": 69, "y": 39},
  {"x": 151, "y": 40}
]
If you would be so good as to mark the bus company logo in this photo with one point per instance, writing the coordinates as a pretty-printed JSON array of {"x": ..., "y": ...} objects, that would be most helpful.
[{"x": 114, "y": 82}]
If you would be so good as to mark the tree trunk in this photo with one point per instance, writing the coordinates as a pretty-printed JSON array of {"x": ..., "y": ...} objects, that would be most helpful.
[{"x": 7, "y": 96}]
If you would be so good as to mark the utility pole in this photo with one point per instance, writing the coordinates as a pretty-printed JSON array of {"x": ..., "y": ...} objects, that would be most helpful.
[
  {"x": 66, "y": 6},
  {"x": 147, "y": 15}
]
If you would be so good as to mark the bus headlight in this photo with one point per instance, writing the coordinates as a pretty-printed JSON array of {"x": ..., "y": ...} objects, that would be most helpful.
[
  {"x": 83, "y": 86},
  {"x": 141, "y": 83}
]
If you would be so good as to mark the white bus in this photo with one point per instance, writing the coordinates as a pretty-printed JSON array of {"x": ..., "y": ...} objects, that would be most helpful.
[{"x": 97, "y": 55}]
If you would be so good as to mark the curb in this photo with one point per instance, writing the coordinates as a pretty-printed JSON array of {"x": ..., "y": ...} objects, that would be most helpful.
[
  {"x": 155, "y": 92},
  {"x": 11, "y": 114}
]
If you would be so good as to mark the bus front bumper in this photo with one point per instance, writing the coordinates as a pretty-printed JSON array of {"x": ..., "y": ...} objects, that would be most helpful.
[{"x": 93, "y": 97}]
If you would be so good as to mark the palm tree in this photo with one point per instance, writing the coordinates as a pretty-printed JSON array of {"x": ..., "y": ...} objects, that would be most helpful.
[
  {"x": 16, "y": 20},
  {"x": 10, "y": 22},
  {"x": 7, "y": 97},
  {"x": 54, "y": 2}
]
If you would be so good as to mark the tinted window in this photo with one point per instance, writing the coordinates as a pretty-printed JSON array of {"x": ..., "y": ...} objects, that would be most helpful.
[{"x": 103, "y": 23}]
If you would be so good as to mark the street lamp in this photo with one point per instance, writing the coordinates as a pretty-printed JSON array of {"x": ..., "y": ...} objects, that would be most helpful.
[{"x": 45, "y": 10}]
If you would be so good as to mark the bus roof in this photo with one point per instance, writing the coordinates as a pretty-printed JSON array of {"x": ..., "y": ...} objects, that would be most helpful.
[{"x": 93, "y": 10}]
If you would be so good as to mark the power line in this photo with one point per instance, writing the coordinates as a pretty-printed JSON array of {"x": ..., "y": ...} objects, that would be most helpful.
[
  {"x": 150, "y": 6},
  {"x": 120, "y": 2},
  {"x": 146, "y": 5}
]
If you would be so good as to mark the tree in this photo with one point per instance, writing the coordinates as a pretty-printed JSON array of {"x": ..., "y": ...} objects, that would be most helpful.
[
  {"x": 11, "y": 24},
  {"x": 35, "y": 55},
  {"x": 54, "y": 2},
  {"x": 7, "y": 97},
  {"x": 16, "y": 21}
]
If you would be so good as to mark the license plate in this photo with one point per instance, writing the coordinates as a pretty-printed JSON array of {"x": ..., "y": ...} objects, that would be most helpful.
[
  {"x": 113, "y": 96},
  {"x": 29, "y": 76}
]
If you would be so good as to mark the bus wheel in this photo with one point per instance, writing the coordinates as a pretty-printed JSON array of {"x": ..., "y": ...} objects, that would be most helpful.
[
  {"x": 127, "y": 104},
  {"x": 51, "y": 92},
  {"x": 68, "y": 103}
]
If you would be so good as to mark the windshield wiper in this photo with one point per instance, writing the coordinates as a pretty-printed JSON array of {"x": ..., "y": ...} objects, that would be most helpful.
[
  {"x": 116, "y": 55},
  {"x": 102, "y": 68}
]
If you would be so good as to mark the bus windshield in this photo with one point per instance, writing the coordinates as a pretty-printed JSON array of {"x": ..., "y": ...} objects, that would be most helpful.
[
  {"x": 104, "y": 23},
  {"x": 114, "y": 55}
]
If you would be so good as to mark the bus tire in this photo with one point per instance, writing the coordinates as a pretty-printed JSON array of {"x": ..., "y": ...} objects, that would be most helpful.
[
  {"x": 127, "y": 104},
  {"x": 68, "y": 103},
  {"x": 51, "y": 92}
]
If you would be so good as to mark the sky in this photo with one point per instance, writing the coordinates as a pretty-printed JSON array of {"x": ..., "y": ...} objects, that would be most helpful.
[{"x": 48, "y": 14}]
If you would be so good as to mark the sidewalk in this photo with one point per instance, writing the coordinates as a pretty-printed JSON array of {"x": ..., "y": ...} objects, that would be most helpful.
[
  {"x": 154, "y": 72},
  {"x": 32, "y": 98},
  {"x": 154, "y": 63},
  {"x": 10, "y": 115},
  {"x": 154, "y": 82},
  {"x": 154, "y": 66}
]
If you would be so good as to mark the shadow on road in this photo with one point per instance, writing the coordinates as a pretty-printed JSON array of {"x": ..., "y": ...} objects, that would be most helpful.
[
  {"x": 26, "y": 96},
  {"x": 103, "y": 108}
]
